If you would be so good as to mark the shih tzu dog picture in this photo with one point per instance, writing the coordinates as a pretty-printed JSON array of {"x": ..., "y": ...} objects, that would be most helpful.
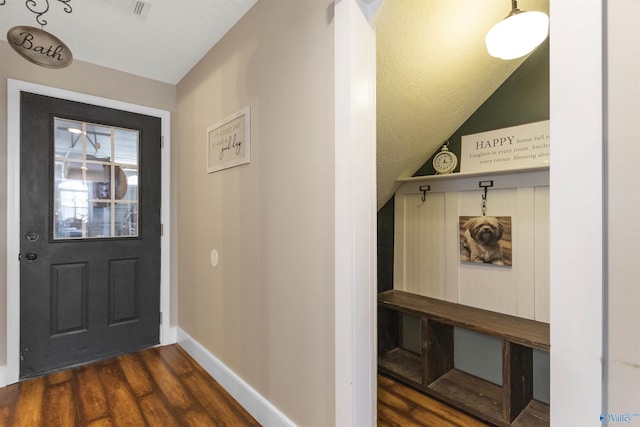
[{"x": 485, "y": 239}]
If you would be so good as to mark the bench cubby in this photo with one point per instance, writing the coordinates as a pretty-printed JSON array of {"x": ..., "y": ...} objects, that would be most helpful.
[{"x": 433, "y": 372}]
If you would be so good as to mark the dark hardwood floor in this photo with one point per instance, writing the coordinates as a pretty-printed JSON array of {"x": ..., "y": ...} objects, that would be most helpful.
[
  {"x": 160, "y": 386},
  {"x": 164, "y": 386},
  {"x": 402, "y": 406}
]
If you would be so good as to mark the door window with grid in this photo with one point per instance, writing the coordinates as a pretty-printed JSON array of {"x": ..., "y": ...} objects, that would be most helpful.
[{"x": 95, "y": 185}]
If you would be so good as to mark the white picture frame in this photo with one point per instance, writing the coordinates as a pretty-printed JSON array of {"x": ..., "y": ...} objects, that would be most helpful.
[{"x": 229, "y": 141}]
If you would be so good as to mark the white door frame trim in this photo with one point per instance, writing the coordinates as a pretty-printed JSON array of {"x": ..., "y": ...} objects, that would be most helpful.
[
  {"x": 355, "y": 214},
  {"x": 14, "y": 87}
]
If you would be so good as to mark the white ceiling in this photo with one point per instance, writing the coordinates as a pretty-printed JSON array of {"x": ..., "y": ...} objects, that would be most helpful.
[{"x": 164, "y": 46}]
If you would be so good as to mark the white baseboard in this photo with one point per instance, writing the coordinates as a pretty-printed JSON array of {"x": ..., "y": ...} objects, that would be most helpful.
[
  {"x": 168, "y": 335},
  {"x": 3, "y": 376},
  {"x": 259, "y": 407}
]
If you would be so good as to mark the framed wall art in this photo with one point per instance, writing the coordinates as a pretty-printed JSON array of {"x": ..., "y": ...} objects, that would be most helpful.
[
  {"x": 486, "y": 239},
  {"x": 229, "y": 141}
]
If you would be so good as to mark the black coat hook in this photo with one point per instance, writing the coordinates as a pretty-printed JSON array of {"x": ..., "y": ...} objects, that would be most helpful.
[
  {"x": 485, "y": 185},
  {"x": 424, "y": 189}
]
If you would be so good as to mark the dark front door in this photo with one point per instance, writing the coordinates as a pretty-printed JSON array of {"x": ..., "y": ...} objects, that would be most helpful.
[{"x": 90, "y": 233}]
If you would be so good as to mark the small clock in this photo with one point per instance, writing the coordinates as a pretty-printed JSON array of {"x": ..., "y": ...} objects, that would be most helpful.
[{"x": 445, "y": 161}]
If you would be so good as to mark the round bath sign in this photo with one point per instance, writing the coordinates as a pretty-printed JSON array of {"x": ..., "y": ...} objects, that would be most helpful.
[{"x": 40, "y": 47}]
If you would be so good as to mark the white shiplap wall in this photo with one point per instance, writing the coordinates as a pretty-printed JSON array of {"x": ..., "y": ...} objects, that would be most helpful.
[{"x": 427, "y": 259}]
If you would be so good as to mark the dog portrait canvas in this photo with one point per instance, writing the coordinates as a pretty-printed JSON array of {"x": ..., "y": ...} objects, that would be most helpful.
[{"x": 486, "y": 239}]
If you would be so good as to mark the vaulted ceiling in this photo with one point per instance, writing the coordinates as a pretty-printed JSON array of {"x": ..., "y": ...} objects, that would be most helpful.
[{"x": 157, "y": 39}]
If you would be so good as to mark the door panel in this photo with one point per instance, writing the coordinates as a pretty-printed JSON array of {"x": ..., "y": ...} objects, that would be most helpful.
[
  {"x": 90, "y": 227},
  {"x": 123, "y": 290},
  {"x": 69, "y": 283}
]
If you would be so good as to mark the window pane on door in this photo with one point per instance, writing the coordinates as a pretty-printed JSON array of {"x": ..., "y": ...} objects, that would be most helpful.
[{"x": 95, "y": 183}]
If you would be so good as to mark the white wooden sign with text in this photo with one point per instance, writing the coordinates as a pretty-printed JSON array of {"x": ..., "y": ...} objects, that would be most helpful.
[
  {"x": 517, "y": 147},
  {"x": 229, "y": 141}
]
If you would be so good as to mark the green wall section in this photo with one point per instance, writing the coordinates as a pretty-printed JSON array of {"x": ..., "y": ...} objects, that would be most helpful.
[
  {"x": 385, "y": 245},
  {"x": 522, "y": 98}
]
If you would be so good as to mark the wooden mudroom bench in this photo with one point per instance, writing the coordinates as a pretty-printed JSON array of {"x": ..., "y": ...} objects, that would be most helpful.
[{"x": 433, "y": 371}]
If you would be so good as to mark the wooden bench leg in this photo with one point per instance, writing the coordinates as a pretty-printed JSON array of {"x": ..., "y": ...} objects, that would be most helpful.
[
  {"x": 437, "y": 350},
  {"x": 388, "y": 330},
  {"x": 517, "y": 379}
]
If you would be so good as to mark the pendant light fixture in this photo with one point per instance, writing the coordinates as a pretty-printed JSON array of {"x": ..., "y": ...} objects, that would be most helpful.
[{"x": 518, "y": 34}]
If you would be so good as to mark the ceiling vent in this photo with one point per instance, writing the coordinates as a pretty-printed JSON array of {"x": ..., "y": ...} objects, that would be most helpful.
[{"x": 138, "y": 8}]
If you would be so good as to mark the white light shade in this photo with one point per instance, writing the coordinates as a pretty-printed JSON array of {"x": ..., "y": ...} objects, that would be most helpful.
[{"x": 517, "y": 35}]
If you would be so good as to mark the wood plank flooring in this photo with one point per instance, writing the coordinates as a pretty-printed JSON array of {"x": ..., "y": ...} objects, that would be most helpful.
[
  {"x": 402, "y": 406},
  {"x": 160, "y": 386},
  {"x": 164, "y": 386}
]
